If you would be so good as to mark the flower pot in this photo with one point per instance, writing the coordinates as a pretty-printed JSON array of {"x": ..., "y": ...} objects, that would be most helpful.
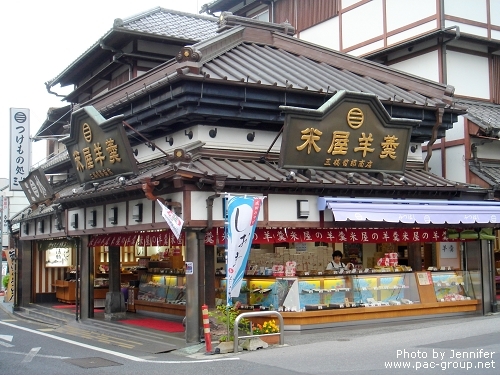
[{"x": 271, "y": 340}]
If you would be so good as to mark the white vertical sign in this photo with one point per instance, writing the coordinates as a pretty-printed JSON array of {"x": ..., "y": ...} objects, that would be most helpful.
[
  {"x": 20, "y": 146},
  {"x": 5, "y": 217}
]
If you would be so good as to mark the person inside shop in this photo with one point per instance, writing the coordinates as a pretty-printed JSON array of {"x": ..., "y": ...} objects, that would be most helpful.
[{"x": 337, "y": 263}]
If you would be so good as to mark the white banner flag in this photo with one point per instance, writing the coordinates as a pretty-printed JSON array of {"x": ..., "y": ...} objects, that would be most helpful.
[
  {"x": 174, "y": 222},
  {"x": 242, "y": 218}
]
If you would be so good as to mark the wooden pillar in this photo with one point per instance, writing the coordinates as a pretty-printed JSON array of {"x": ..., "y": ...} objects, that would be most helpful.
[
  {"x": 193, "y": 307},
  {"x": 86, "y": 279},
  {"x": 414, "y": 256},
  {"x": 114, "y": 308},
  {"x": 210, "y": 276}
]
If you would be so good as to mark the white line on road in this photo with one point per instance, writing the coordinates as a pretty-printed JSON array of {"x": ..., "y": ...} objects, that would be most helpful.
[
  {"x": 111, "y": 352},
  {"x": 33, "y": 352},
  {"x": 6, "y": 344},
  {"x": 6, "y": 338},
  {"x": 38, "y": 355}
]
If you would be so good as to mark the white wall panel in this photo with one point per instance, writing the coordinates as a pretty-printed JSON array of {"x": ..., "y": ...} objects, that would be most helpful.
[
  {"x": 147, "y": 212},
  {"x": 122, "y": 217},
  {"x": 455, "y": 163},
  {"x": 284, "y": 207},
  {"x": 472, "y": 10},
  {"x": 362, "y": 23},
  {"x": 468, "y": 29},
  {"x": 348, "y": 3},
  {"x": 426, "y": 66},
  {"x": 325, "y": 34},
  {"x": 415, "y": 31},
  {"x": 367, "y": 49},
  {"x": 403, "y": 12},
  {"x": 199, "y": 206},
  {"x": 495, "y": 12},
  {"x": 472, "y": 80},
  {"x": 175, "y": 197},
  {"x": 489, "y": 150},
  {"x": 457, "y": 132},
  {"x": 435, "y": 164}
]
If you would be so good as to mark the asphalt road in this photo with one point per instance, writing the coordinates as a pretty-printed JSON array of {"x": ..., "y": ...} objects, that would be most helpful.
[{"x": 465, "y": 345}]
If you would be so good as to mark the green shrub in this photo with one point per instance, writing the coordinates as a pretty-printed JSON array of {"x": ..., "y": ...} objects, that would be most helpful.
[
  {"x": 225, "y": 315},
  {"x": 5, "y": 281}
]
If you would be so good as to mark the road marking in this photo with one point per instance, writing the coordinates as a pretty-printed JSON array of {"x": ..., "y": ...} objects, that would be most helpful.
[
  {"x": 111, "y": 352},
  {"x": 93, "y": 336},
  {"x": 33, "y": 352},
  {"x": 6, "y": 338},
  {"x": 7, "y": 345},
  {"x": 38, "y": 355}
]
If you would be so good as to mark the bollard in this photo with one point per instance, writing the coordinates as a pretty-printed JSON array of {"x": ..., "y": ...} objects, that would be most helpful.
[{"x": 206, "y": 328}]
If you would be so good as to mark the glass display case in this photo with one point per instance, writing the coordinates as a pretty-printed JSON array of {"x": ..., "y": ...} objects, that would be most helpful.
[
  {"x": 452, "y": 286},
  {"x": 162, "y": 288},
  {"x": 328, "y": 292}
]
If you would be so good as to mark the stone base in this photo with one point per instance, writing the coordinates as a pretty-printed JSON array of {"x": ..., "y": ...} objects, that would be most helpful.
[
  {"x": 225, "y": 347},
  {"x": 115, "y": 316},
  {"x": 254, "y": 344}
]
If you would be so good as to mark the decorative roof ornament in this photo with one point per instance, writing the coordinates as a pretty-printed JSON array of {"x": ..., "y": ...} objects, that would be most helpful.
[{"x": 188, "y": 53}]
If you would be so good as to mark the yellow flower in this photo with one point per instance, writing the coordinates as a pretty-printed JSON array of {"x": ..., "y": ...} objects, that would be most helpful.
[{"x": 269, "y": 326}]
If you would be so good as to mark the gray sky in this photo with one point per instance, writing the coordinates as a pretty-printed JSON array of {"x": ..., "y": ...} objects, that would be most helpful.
[{"x": 42, "y": 38}]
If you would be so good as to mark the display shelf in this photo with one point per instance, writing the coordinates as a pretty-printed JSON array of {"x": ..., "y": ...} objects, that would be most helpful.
[
  {"x": 452, "y": 286},
  {"x": 161, "y": 293}
]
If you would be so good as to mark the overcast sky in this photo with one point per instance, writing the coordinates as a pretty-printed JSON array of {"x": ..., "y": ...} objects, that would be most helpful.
[{"x": 40, "y": 38}]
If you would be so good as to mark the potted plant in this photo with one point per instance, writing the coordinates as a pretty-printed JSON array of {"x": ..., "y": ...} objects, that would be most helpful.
[{"x": 266, "y": 328}]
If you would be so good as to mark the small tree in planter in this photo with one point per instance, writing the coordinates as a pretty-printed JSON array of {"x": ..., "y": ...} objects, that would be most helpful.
[
  {"x": 224, "y": 317},
  {"x": 5, "y": 281}
]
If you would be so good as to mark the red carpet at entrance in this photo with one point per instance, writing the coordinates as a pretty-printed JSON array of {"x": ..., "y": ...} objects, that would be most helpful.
[{"x": 158, "y": 324}]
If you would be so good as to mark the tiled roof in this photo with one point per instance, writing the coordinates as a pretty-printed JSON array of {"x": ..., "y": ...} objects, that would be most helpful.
[
  {"x": 171, "y": 23},
  {"x": 158, "y": 21},
  {"x": 485, "y": 115},
  {"x": 244, "y": 170},
  {"x": 270, "y": 66},
  {"x": 257, "y": 57},
  {"x": 489, "y": 172}
]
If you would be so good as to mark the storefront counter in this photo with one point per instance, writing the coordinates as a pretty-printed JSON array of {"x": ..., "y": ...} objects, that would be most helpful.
[
  {"x": 65, "y": 291},
  {"x": 309, "y": 302}
]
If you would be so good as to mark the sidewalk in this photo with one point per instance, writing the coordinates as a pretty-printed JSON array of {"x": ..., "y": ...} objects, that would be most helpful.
[
  {"x": 147, "y": 341},
  {"x": 143, "y": 340}
]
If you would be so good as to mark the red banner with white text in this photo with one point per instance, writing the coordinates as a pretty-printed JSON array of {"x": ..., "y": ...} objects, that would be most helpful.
[{"x": 216, "y": 236}]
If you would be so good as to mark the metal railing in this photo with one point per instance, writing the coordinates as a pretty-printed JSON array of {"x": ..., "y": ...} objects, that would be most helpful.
[{"x": 254, "y": 314}]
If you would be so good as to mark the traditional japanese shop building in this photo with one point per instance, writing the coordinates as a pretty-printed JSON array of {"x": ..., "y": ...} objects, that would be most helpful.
[{"x": 330, "y": 140}]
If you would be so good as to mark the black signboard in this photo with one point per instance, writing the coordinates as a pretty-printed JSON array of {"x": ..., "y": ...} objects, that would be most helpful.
[
  {"x": 351, "y": 132},
  {"x": 36, "y": 187},
  {"x": 98, "y": 148}
]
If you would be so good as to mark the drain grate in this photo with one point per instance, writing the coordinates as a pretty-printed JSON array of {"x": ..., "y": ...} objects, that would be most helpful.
[{"x": 92, "y": 362}]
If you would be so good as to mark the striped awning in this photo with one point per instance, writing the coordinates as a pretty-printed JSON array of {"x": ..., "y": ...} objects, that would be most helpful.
[{"x": 412, "y": 211}]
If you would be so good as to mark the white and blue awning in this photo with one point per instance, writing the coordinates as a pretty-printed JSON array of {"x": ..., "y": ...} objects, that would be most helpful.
[{"x": 410, "y": 211}]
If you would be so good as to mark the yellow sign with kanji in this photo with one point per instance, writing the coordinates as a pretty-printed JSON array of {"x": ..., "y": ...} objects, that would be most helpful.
[
  {"x": 350, "y": 132},
  {"x": 98, "y": 148}
]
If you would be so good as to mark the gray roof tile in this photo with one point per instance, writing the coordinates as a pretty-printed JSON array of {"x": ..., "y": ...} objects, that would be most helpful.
[
  {"x": 485, "y": 115},
  {"x": 171, "y": 23},
  {"x": 269, "y": 66},
  {"x": 489, "y": 172}
]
